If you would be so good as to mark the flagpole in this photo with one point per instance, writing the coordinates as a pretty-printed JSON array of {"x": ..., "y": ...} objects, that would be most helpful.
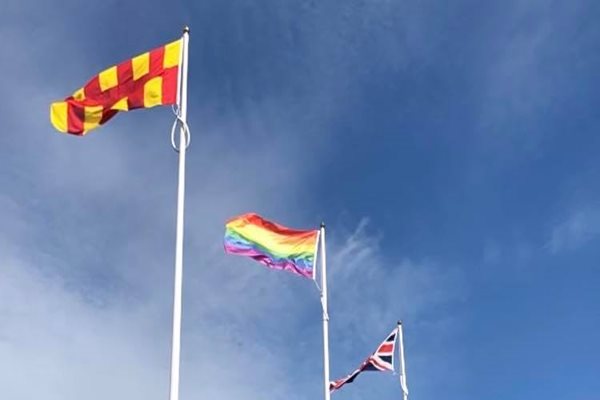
[
  {"x": 178, "y": 281},
  {"x": 325, "y": 313},
  {"x": 402, "y": 365}
]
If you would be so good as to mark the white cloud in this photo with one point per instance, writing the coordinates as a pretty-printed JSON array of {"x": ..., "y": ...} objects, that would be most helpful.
[
  {"x": 241, "y": 325},
  {"x": 87, "y": 255},
  {"x": 579, "y": 228},
  {"x": 87, "y": 252}
]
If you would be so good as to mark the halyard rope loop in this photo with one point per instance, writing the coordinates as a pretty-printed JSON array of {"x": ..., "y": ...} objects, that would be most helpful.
[{"x": 186, "y": 131}]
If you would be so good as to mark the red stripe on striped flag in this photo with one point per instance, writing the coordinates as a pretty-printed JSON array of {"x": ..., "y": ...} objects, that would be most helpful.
[
  {"x": 92, "y": 88},
  {"x": 125, "y": 74},
  {"x": 386, "y": 348},
  {"x": 156, "y": 62},
  {"x": 75, "y": 118},
  {"x": 169, "y": 85}
]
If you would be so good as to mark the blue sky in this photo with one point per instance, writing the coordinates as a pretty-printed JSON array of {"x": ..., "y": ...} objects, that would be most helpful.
[{"x": 451, "y": 148}]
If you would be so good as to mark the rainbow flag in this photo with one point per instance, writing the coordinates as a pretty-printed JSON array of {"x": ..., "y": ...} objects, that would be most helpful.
[{"x": 272, "y": 244}]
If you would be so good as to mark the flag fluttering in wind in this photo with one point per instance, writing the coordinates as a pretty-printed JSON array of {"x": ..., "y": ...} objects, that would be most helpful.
[
  {"x": 381, "y": 360},
  {"x": 271, "y": 244},
  {"x": 145, "y": 81}
]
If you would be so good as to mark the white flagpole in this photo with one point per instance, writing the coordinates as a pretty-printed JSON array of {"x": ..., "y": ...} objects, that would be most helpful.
[
  {"x": 402, "y": 365},
  {"x": 325, "y": 313},
  {"x": 178, "y": 282}
]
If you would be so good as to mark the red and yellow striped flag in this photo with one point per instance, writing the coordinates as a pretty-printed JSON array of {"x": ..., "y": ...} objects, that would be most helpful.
[{"x": 145, "y": 81}]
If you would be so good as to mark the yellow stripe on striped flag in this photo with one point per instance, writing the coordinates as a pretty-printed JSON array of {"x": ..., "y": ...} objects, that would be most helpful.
[
  {"x": 79, "y": 94},
  {"x": 140, "y": 65},
  {"x": 153, "y": 92},
  {"x": 91, "y": 117},
  {"x": 172, "y": 54},
  {"x": 58, "y": 115},
  {"x": 108, "y": 78},
  {"x": 121, "y": 105}
]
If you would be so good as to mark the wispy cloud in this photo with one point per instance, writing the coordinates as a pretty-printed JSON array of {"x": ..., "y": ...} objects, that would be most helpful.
[
  {"x": 370, "y": 292},
  {"x": 578, "y": 229}
]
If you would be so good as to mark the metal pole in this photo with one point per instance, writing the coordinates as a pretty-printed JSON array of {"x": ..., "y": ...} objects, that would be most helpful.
[
  {"x": 325, "y": 313},
  {"x": 178, "y": 282},
  {"x": 402, "y": 365}
]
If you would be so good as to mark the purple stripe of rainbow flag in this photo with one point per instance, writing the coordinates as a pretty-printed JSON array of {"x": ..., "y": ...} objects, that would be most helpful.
[{"x": 271, "y": 244}]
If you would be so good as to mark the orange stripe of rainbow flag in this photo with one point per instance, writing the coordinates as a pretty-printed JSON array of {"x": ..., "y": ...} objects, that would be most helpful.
[{"x": 145, "y": 81}]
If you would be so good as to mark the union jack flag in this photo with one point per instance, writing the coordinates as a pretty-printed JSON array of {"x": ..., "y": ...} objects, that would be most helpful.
[{"x": 381, "y": 360}]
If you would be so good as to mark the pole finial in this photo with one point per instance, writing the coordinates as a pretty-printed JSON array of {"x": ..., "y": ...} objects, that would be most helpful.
[
  {"x": 186, "y": 29},
  {"x": 322, "y": 224},
  {"x": 399, "y": 322}
]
